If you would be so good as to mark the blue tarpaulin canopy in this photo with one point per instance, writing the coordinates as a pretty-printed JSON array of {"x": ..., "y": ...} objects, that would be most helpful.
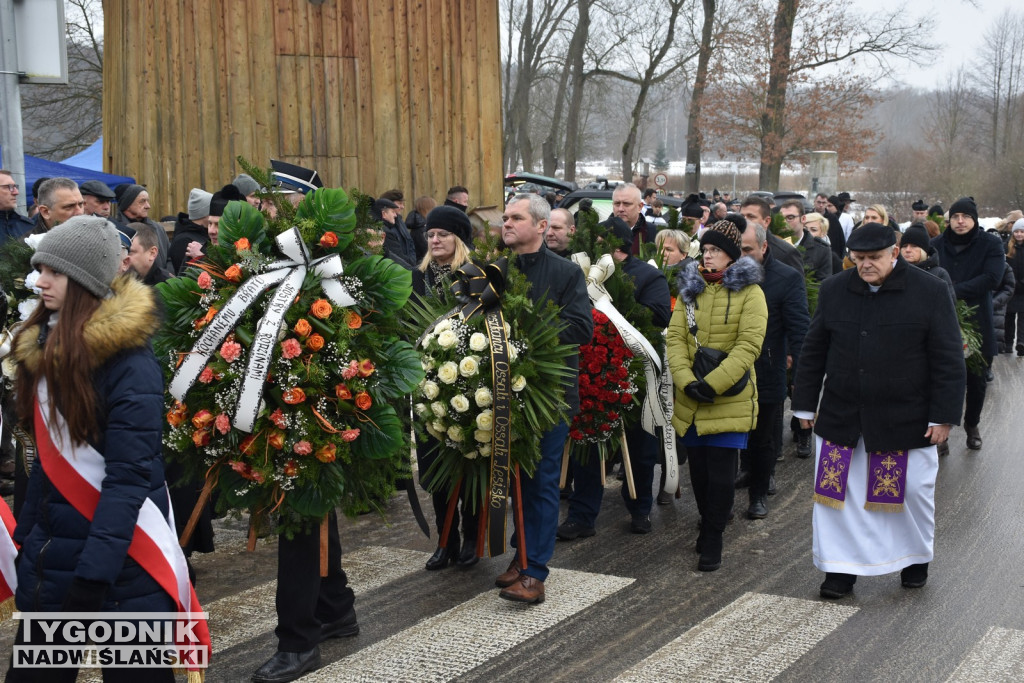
[
  {"x": 91, "y": 157},
  {"x": 36, "y": 168}
]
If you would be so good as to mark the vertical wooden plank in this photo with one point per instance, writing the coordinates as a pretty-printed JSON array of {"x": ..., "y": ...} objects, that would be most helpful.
[
  {"x": 363, "y": 88},
  {"x": 264, "y": 99},
  {"x": 488, "y": 65}
]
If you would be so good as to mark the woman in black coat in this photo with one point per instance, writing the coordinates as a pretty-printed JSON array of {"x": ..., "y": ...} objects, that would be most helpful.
[{"x": 1015, "y": 306}]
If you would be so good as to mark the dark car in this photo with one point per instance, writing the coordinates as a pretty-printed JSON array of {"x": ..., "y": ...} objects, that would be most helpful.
[
  {"x": 602, "y": 201},
  {"x": 532, "y": 182}
]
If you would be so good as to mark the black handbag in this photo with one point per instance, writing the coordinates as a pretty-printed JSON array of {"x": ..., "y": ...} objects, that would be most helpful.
[{"x": 707, "y": 359}]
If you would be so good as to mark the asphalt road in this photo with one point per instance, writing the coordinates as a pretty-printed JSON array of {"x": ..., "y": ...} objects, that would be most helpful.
[{"x": 628, "y": 607}]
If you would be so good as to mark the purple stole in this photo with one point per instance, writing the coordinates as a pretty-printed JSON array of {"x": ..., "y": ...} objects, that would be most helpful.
[{"x": 887, "y": 478}]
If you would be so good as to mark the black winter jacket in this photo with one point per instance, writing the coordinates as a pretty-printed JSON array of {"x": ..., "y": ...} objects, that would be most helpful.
[
  {"x": 788, "y": 318},
  {"x": 891, "y": 361},
  {"x": 650, "y": 289},
  {"x": 185, "y": 231},
  {"x": 13, "y": 225},
  {"x": 58, "y": 544},
  {"x": 931, "y": 265},
  {"x": 561, "y": 281},
  {"x": 1016, "y": 303},
  {"x": 976, "y": 270},
  {"x": 1000, "y": 300}
]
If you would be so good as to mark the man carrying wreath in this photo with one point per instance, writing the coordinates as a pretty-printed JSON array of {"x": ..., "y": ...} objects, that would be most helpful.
[
  {"x": 885, "y": 342},
  {"x": 560, "y": 281}
]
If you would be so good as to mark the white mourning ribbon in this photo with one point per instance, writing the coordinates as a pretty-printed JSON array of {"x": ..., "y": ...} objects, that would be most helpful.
[
  {"x": 653, "y": 412},
  {"x": 288, "y": 274},
  {"x": 668, "y": 432}
]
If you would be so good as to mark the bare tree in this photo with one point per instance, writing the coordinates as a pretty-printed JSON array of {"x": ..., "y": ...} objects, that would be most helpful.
[
  {"x": 952, "y": 131},
  {"x": 1000, "y": 65},
  {"x": 61, "y": 120}
]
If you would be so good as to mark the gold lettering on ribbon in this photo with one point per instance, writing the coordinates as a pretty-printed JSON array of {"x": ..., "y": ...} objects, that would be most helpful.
[{"x": 501, "y": 436}]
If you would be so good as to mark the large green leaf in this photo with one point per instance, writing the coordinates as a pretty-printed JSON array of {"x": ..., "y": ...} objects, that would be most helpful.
[
  {"x": 242, "y": 219},
  {"x": 317, "y": 500},
  {"x": 402, "y": 371},
  {"x": 332, "y": 210},
  {"x": 383, "y": 437},
  {"x": 386, "y": 284}
]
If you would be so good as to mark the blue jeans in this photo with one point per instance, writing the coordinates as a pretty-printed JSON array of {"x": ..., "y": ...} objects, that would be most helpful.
[{"x": 540, "y": 502}]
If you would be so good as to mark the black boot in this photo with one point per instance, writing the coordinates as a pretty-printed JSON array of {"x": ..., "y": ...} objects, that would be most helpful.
[
  {"x": 914, "y": 576},
  {"x": 758, "y": 508},
  {"x": 467, "y": 556},
  {"x": 710, "y": 551},
  {"x": 837, "y": 585},
  {"x": 441, "y": 558},
  {"x": 287, "y": 666}
]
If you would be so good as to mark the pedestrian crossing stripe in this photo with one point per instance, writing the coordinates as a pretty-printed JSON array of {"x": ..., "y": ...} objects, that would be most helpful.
[
  {"x": 998, "y": 656},
  {"x": 450, "y": 644},
  {"x": 238, "y": 618},
  {"x": 756, "y": 637}
]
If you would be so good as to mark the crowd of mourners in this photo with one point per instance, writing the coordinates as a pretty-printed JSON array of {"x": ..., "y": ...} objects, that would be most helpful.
[{"x": 751, "y": 318}]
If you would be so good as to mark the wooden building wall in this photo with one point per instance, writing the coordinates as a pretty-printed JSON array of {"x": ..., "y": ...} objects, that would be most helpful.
[{"x": 374, "y": 94}]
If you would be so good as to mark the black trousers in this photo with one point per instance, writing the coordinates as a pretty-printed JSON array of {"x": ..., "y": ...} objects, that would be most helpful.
[
  {"x": 305, "y": 600},
  {"x": 1014, "y": 326},
  {"x": 426, "y": 454},
  {"x": 760, "y": 459},
  {"x": 713, "y": 477},
  {"x": 976, "y": 388}
]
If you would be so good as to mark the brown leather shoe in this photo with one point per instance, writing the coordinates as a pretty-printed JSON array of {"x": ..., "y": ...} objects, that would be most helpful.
[
  {"x": 527, "y": 589},
  {"x": 510, "y": 576}
]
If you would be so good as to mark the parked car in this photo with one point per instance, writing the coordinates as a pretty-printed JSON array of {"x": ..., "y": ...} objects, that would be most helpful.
[
  {"x": 532, "y": 182},
  {"x": 602, "y": 201}
]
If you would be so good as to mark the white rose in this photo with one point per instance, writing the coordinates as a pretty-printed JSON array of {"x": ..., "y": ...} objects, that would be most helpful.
[
  {"x": 33, "y": 240},
  {"x": 482, "y": 436},
  {"x": 430, "y": 390},
  {"x": 470, "y": 456},
  {"x": 447, "y": 339},
  {"x": 30, "y": 281},
  {"x": 508, "y": 330},
  {"x": 485, "y": 420},
  {"x": 445, "y": 324},
  {"x": 438, "y": 409},
  {"x": 27, "y": 307},
  {"x": 483, "y": 397},
  {"x": 421, "y": 409},
  {"x": 469, "y": 366},
  {"x": 454, "y": 433},
  {"x": 518, "y": 383},
  {"x": 427, "y": 363},
  {"x": 438, "y": 426},
  {"x": 485, "y": 450},
  {"x": 478, "y": 341},
  {"x": 512, "y": 352},
  {"x": 448, "y": 372},
  {"x": 433, "y": 432},
  {"x": 460, "y": 403}
]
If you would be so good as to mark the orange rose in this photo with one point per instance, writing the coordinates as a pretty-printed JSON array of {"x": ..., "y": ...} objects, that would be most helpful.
[
  {"x": 353, "y": 320},
  {"x": 276, "y": 440},
  {"x": 202, "y": 419},
  {"x": 234, "y": 273},
  {"x": 248, "y": 445},
  {"x": 343, "y": 392},
  {"x": 201, "y": 437},
  {"x": 329, "y": 240},
  {"x": 242, "y": 244},
  {"x": 366, "y": 367},
  {"x": 176, "y": 415},
  {"x": 294, "y": 396},
  {"x": 326, "y": 453},
  {"x": 315, "y": 342},
  {"x": 302, "y": 328},
  {"x": 291, "y": 469},
  {"x": 363, "y": 400},
  {"x": 321, "y": 308},
  {"x": 202, "y": 322}
]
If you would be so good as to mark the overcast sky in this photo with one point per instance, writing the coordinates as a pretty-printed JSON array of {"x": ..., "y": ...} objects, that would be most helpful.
[{"x": 959, "y": 29}]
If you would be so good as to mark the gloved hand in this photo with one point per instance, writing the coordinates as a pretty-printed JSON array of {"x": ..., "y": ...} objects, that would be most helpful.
[
  {"x": 85, "y": 596},
  {"x": 700, "y": 391}
]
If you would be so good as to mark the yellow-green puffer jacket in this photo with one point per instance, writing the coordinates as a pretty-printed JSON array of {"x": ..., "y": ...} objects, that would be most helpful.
[{"x": 731, "y": 316}]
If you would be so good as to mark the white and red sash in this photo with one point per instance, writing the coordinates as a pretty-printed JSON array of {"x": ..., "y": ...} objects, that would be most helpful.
[
  {"x": 77, "y": 471},
  {"x": 8, "y": 552}
]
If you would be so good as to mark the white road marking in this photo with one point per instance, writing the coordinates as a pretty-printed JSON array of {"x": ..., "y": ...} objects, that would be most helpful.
[
  {"x": 999, "y": 656},
  {"x": 246, "y": 615},
  {"x": 454, "y": 642},
  {"x": 753, "y": 638}
]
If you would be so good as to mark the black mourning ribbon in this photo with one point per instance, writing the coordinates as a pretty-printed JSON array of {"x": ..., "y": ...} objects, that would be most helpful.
[{"x": 477, "y": 288}]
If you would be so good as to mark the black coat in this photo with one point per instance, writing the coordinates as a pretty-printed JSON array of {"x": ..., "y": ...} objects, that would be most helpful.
[
  {"x": 185, "y": 231},
  {"x": 788, "y": 318},
  {"x": 1000, "y": 299},
  {"x": 13, "y": 224},
  {"x": 976, "y": 270},
  {"x": 786, "y": 252},
  {"x": 836, "y": 239},
  {"x": 650, "y": 289},
  {"x": 931, "y": 265},
  {"x": 561, "y": 281},
  {"x": 891, "y": 361},
  {"x": 417, "y": 225},
  {"x": 1016, "y": 303},
  {"x": 816, "y": 255}
]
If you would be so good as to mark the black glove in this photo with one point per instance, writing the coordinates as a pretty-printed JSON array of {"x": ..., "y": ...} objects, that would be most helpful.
[
  {"x": 700, "y": 392},
  {"x": 85, "y": 596}
]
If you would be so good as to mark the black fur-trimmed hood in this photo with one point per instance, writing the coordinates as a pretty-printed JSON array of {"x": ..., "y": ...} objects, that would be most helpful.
[{"x": 744, "y": 272}]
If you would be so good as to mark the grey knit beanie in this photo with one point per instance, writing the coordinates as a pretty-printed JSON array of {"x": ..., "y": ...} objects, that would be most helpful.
[
  {"x": 245, "y": 184},
  {"x": 85, "y": 248},
  {"x": 198, "y": 204}
]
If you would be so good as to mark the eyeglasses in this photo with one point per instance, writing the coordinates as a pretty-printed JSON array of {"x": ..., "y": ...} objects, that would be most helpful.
[
  {"x": 439, "y": 235},
  {"x": 10, "y": 188}
]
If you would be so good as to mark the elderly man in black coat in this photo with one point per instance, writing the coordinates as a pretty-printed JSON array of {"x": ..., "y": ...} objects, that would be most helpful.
[
  {"x": 885, "y": 342},
  {"x": 786, "y": 296},
  {"x": 975, "y": 262}
]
